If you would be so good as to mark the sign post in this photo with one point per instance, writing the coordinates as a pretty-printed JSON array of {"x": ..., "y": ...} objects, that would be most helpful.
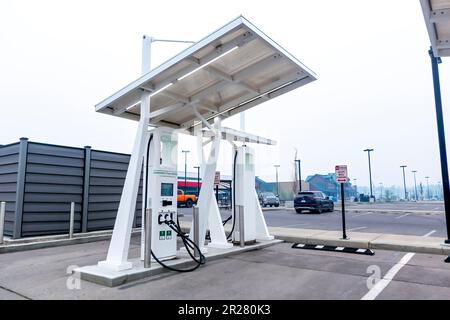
[
  {"x": 216, "y": 183},
  {"x": 341, "y": 177}
]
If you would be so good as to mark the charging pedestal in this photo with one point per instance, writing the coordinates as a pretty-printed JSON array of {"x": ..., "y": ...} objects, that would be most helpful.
[
  {"x": 162, "y": 192},
  {"x": 245, "y": 185},
  {"x": 255, "y": 227}
]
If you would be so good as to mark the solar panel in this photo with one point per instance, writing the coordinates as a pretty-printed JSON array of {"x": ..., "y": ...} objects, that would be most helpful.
[
  {"x": 437, "y": 20},
  {"x": 233, "y": 69}
]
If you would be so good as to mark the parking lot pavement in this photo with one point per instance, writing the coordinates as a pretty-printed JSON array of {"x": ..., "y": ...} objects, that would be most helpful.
[
  {"x": 424, "y": 277},
  {"x": 431, "y": 206},
  {"x": 373, "y": 222},
  {"x": 277, "y": 272}
]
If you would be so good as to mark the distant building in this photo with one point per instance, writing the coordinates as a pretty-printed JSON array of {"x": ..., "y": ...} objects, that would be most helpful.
[
  {"x": 328, "y": 185},
  {"x": 287, "y": 189}
]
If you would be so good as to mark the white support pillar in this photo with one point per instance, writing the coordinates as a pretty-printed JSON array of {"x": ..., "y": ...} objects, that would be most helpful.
[
  {"x": 117, "y": 258},
  {"x": 208, "y": 209},
  {"x": 242, "y": 120},
  {"x": 255, "y": 225},
  {"x": 262, "y": 232},
  {"x": 146, "y": 67}
]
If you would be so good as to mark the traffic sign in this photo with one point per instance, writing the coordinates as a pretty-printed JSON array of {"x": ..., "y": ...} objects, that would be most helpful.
[
  {"x": 217, "y": 178},
  {"x": 341, "y": 177},
  {"x": 341, "y": 173}
]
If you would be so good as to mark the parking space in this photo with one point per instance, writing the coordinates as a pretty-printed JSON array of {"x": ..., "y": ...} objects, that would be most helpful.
[
  {"x": 365, "y": 221},
  {"x": 277, "y": 272}
]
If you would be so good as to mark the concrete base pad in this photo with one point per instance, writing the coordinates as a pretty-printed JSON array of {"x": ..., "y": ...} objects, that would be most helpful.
[{"x": 112, "y": 278}]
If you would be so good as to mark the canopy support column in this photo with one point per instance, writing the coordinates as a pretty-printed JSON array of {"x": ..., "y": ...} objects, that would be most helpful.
[
  {"x": 117, "y": 258},
  {"x": 441, "y": 135}
]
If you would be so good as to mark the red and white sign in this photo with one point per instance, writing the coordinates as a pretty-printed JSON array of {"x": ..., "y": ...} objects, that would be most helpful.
[
  {"x": 217, "y": 178},
  {"x": 341, "y": 174}
]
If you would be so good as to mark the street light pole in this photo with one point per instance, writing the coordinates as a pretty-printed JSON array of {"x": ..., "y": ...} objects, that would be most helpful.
[
  {"x": 299, "y": 175},
  {"x": 370, "y": 171},
  {"x": 441, "y": 137},
  {"x": 415, "y": 184},
  {"x": 404, "y": 182},
  {"x": 198, "y": 180},
  {"x": 428, "y": 188},
  {"x": 276, "y": 168},
  {"x": 185, "y": 169}
]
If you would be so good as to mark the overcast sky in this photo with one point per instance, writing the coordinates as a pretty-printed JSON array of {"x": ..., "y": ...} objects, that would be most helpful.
[{"x": 374, "y": 88}]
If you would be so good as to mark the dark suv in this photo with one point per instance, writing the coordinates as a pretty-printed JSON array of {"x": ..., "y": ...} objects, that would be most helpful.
[
  {"x": 314, "y": 201},
  {"x": 268, "y": 199}
]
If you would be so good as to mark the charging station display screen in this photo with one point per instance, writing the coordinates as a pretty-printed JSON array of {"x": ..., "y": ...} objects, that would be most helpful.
[{"x": 166, "y": 189}]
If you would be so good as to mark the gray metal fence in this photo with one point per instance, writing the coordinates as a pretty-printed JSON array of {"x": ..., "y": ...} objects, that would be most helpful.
[{"x": 39, "y": 181}]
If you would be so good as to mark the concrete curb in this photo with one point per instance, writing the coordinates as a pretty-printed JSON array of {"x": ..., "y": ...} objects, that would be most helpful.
[
  {"x": 275, "y": 208},
  {"x": 421, "y": 212},
  {"x": 350, "y": 209},
  {"x": 56, "y": 241},
  {"x": 402, "y": 243}
]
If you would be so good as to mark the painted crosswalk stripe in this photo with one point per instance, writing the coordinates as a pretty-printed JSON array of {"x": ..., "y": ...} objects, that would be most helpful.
[{"x": 383, "y": 283}]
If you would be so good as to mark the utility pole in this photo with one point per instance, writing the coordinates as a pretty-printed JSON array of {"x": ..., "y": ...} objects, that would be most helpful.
[
  {"x": 370, "y": 171},
  {"x": 428, "y": 188},
  {"x": 185, "y": 169},
  {"x": 198, "y": 180},
  {"x": 404, "y": 182},
  {"x": 299, "y": 176},
  {"x": 415, "y": 184},
  {"x": 276, "y": 168},
  {"x": 356, "y": 187}
]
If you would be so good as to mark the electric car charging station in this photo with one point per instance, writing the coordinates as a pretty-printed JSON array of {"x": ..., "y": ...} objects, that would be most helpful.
[{"x": 231, "y": 70}]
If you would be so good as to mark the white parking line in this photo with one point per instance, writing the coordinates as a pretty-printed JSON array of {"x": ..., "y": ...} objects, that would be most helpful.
[
  {"x": 357, "y": 228},
  {"x": 403, "y": 215},
  {"x": 430, "y": 233},
  {"x": 389, "y": 276}
]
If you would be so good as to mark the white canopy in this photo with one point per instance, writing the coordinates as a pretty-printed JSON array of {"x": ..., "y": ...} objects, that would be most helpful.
[
  {"x": 437, "y": 20},
  {"x": 233, "y": 69}
]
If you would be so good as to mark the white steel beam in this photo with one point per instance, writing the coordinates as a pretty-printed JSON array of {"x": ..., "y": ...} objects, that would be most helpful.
[
  {"x": 232, "y": 135},
  {"x": 440, "y": 15},
  {"x": 443, "y": 44},
  {"x": 430, "y": 26},
  {"x": 117, "y": 258},
  {"x": 230, "y": 78},
  {"x": 224, "y": 78},
  {"x": 145, "y": 81},
  {"x": 287, "y": 79},
  {"x": 207, "y": 204},
  {"x": 193, "y": 100}
]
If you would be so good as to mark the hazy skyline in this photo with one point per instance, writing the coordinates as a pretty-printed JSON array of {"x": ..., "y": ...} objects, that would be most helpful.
[{"x": 374, "y": 88}]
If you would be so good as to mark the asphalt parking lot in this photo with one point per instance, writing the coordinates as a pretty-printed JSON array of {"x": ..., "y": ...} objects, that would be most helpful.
[
  {"x": 277, "y": 272},
  {"x": 431, "y": 206},
  {"x": 369, "y": 218}
]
